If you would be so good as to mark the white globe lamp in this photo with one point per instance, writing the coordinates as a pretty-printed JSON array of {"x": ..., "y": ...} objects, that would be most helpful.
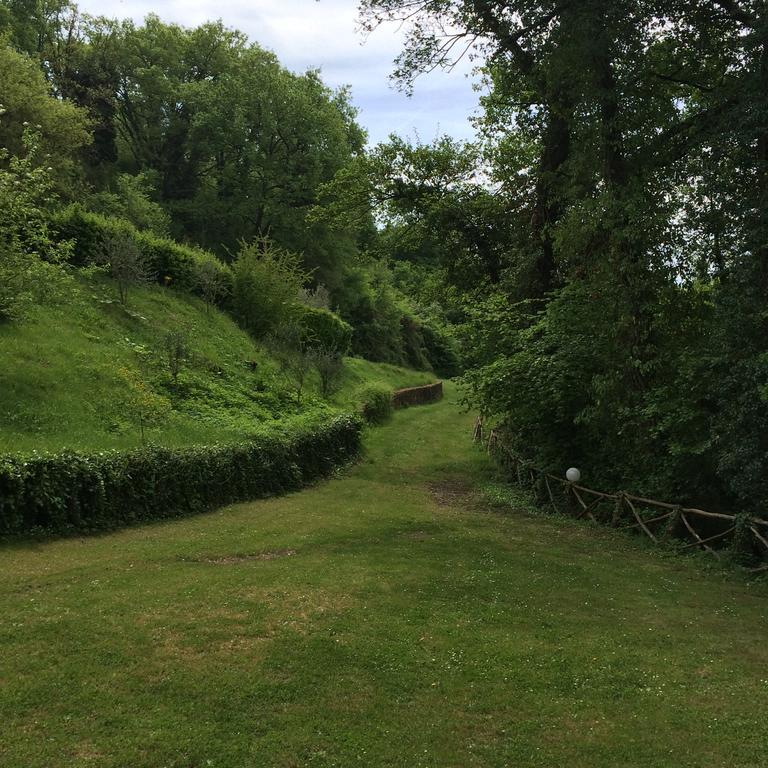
[{"x": 573, "y": 475}]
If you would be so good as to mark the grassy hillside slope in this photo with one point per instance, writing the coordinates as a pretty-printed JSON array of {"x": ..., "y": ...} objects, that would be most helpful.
[{"x": 89, "y": 374}]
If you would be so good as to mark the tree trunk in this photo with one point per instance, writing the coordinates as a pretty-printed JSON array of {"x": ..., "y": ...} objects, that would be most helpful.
[
  {"x": 761, "y": 244},
  {"x": 548, "y": 205}
]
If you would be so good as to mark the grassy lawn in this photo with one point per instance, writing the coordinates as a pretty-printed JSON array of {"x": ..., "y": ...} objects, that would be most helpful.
[{"x": 388, "y": 617}]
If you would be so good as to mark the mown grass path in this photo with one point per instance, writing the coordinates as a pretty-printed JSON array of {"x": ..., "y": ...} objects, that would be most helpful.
[{"x": 388, "y": 617}]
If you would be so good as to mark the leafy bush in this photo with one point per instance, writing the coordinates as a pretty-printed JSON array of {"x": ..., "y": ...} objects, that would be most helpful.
[
  {"x": 325, "y": 330},
  {"x": 132, "y": 200},
  {"x": 375, "y": 404},
  {"x": 388, "y": 329},
  {"x": 442, "y": 351},
  {"x": 329, "y": 365},
  {"x": 21, "y": 277},
  {"x": 127, "y": 264},
  {"x": 30, "y": 259},
  {"x": 267, "y": 281},
  {"x": 73, "y": 492},
  {"x": 87, "y": 232},
  {"x": 413, "y": 343},
  {"x": 367, "y": 302}
]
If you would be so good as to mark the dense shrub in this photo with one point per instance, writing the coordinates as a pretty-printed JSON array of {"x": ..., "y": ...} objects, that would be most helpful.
[
  {"x": 173, "y": 264},
  {"x": 72, "y": 492},
  {"x": 442, "y": 351},
  {"x": 367, "y": 302},
  {"x": 176, "y": 265},
  {"x": 387, "y": 327},
  {"x": 30, "y": 258},
  {"x": 375, "y": 404},
  {"x": 413, "y": 343},
  {"x": 267, "y": 281},
  {"x": 87, "y": 231},
  {"x": 132, "y": 200},
  {"x": 325, "y": 330}
]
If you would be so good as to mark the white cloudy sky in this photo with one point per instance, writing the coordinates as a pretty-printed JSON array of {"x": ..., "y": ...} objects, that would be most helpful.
[{"x": 312, "y": 33}]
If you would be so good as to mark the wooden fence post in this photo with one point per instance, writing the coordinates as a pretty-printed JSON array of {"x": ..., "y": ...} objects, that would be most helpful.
[
  {"x": 616, "y": 512},
  {"x": 742, "y": 548},
  {"x": 673, "y": 528},
  {"x": 743, "y": 537}
]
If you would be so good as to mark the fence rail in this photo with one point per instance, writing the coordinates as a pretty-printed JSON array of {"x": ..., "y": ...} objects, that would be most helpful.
[
  {"x": 742, "y": 535},
  {"x": 429, "y": 393}
]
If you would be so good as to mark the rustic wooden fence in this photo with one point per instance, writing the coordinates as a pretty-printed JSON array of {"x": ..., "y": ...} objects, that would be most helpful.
[
  {"x": 742, "y": 536},
  {"x": 429, "y": 393}
]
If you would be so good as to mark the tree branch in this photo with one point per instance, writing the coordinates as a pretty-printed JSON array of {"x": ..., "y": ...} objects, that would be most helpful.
[
  {"x": 674, "y": 143},
  {"x": 680, "y": 81}
]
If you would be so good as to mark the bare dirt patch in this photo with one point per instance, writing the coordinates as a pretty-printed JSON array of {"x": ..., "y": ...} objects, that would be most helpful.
[
  {"x": 235, "y": 559},
  {"x": 450, "y": 492},
  {"x": 418, "y": 535},
  {"x": 86, "y": 752}
]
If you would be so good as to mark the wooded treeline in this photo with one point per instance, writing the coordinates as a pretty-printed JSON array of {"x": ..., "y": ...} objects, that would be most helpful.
[
  {"x": 605, "y": 243},
  {"x": 198, "y": 135},
  {"x": 601, "y": 251}
]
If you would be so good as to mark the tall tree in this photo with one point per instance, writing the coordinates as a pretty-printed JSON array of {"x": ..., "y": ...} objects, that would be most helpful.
[
  {"x": 27, "y": 101},
  {"x": 519, "y": 42}
]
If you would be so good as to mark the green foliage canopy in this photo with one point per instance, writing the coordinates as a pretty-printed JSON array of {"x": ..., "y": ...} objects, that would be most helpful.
[{"x": 625, "y": 157}]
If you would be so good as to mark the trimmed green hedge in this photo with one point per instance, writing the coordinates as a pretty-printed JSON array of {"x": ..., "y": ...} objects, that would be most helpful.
[
  {"x": 71, "y": 492},
  {"x": 326, "y": 329},
  {"x": 174, "y": 264}
]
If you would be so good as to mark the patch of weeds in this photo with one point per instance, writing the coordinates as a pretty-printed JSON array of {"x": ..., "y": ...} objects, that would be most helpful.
[{"x": 501, "y": 495}]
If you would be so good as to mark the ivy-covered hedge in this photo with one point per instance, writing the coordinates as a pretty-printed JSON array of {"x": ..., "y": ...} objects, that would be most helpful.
[
  {"x": 173, "y": 264},
  {"x": 71, "y": 492}
]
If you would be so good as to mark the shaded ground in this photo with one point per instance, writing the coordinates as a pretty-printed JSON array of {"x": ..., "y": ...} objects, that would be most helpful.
[{"x": 389, "y": 617}]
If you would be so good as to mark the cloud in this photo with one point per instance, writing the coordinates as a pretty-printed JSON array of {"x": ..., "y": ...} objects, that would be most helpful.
[{"x": 324, "y": 34}]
